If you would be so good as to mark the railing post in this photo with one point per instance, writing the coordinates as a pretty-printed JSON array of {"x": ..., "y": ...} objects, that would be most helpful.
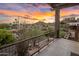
[
  {"x": 22, "y": 48},
  {"x": 48, "y": 40},
  {"x": 38, "y": 47}
]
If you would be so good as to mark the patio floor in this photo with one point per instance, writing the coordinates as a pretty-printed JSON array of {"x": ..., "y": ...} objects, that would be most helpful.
[{"x": 61, "y": 47}]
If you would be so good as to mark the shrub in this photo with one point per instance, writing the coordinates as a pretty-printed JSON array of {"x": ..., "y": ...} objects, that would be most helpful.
[
  {"x": 50, "y": 30},
  {"x": 62, "y": 34},
  {"x": 6, "y": 37}
]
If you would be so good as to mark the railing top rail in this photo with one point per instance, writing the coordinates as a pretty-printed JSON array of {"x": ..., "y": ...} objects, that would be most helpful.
[{"x": 4, "y": 46}]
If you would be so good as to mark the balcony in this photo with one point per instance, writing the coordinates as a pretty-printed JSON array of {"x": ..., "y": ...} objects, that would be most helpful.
[{"x": 47, "y": 47}]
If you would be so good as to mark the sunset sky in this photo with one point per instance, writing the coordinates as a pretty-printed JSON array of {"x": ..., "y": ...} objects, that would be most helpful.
[{"x": 38, "y": 11}]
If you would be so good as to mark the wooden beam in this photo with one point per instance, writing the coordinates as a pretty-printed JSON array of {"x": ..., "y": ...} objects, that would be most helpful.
[
  {"x": 66, "y": 5},
  {"x": 62, "y": 5},
  {"x": 57, "y": 22}
]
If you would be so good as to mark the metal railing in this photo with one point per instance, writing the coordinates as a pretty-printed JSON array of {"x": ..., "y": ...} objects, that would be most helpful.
[{"x": 26, "y": 47}]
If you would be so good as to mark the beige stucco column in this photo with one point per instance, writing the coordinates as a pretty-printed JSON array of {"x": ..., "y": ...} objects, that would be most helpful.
[
  {"x": 77, "y": 34},
  {"x": 57, "y": 22}
]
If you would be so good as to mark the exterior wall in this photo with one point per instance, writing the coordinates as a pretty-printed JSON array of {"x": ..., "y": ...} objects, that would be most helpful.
[{"x": 75, "y": 33}]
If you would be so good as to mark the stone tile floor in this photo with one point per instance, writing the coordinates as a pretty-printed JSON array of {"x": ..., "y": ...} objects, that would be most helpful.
[{"x": 61, "y": 47}]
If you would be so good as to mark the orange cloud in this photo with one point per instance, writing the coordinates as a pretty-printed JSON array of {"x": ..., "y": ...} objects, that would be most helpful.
[
  {"x": 66, "y": 12},
  {"x": 13, "y": 13},
  {"x": 41, "y": 15}
]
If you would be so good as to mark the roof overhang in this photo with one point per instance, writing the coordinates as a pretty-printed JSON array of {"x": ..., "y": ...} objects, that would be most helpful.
[{"x": 62, "y": 5}]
